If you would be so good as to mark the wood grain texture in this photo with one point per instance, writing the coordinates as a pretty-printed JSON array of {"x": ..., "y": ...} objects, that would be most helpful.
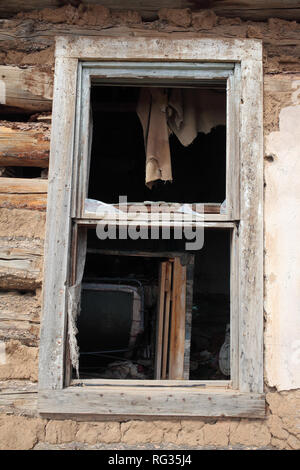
[
  {"x": 26, "y": 89},
  {"x": 160, "y": 319},
  {"x": 249, "y": 53},
  {"x": 24, "y": 144},
  {"x": 168, "y": 294},
  {"x": 234, "y": 308},
  {"x": 188, "y": 314},
  {"x": 251, "y": 230},
  {"x": 23, "y": 186},
  {"x": 23, "y": 193},
  {"x": 57, "y": 243},
  {"x": 20, "y": 264},
  {"x": 233, "y": 145},
  {"x": 256, "y": 9},
  {"x": 165, "y": 401},
  {"x": 160, "y": 49},
  {"x": 210, "y": 384},
  {"x": 30, "y": 201},
  {"x": 177, "y": 332}
]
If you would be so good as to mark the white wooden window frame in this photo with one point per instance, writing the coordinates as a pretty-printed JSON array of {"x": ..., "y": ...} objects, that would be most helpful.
[{"x": 239, "y": 62}]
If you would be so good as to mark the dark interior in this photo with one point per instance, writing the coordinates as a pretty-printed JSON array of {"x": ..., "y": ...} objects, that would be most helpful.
[
  {"x": 108, "y": 347},
  {"x": 118, "y": 156},
  {"x": 107, "y": 354}
]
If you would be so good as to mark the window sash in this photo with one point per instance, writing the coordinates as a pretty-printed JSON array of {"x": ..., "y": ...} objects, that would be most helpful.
[
  {"x": 65, "y": 162},
  {"x": 126, "y": 73}
]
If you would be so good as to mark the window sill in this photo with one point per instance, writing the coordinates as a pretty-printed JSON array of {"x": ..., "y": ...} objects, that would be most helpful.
[{"x": 133, "y": 401}]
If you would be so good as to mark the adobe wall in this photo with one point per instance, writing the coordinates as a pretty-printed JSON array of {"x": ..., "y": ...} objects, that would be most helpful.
[{"x": 26, "y": 48}]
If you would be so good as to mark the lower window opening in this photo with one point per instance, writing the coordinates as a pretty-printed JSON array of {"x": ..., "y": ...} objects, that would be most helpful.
[{"x": 129, "y": 305}]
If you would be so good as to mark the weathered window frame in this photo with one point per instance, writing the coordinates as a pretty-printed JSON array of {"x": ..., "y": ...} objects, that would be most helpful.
[{"x": 243, "y": 394}]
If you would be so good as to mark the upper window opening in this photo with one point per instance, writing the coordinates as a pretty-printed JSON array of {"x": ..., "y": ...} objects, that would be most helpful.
[{"x": 136, "y": 130}]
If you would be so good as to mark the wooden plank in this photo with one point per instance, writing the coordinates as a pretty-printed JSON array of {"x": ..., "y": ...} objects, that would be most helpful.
[
  {"x": 24, "y": 144},
  {"x": 160, "y": 319},
  {"x": 232, "y": 145},
  {"x": 73, "y": 270},
  {"x": 234, "y": 308},
  {"x": 180, "y": 73},
  {"x": 91, "y": 223},
  {"x": 20, "y": 265},
  {"x": 211, "y": 384},
  {"x": 144, "y": 254},
  {"x": 23, "y": 186},
  {"x": 188, "y": 315},
  {"x": 26, "y": 89},
  {"x": 144, "y": 49},
  {"x": 177, "y": 332},
  {"x": 58, "y": 225},
  {"x": 23, "y": 193},
  {"x": 167, "y": 401},
  {"x": 256, "y": 9},
  {"x": 155, "y": 218},
  {"x": 168, "y": 293},
  {"x": 83, "y": 140},
  {"x": 251, "y": 230},
  {"x": 249, "y": 52}
]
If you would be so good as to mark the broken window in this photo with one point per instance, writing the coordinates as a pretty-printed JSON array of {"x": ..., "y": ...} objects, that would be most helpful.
[
  {"x": 146, "y": 144},
  {"x": 148, "y": 162},
  {"x": 136, "y": 304},
  {"x": 131, "y": 325}
]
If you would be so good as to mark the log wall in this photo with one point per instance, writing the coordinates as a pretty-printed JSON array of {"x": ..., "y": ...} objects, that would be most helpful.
[{"x": 26, "y": 82}]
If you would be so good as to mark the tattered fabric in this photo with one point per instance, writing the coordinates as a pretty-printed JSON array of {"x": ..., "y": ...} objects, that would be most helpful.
[{"x": 185, "y": 112}]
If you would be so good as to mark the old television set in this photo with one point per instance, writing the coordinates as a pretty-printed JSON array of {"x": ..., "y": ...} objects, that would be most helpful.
[{"x": 110, "y": 321}]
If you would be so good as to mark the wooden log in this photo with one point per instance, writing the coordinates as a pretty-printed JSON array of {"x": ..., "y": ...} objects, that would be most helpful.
[
  {"x": 18, "y": 397},
  {"x": 19, "y": 317},
  {"x": 20, "y": 264},
  {"x": 37, "y": 202},
  {"x": 22, "y": 193},
  {"x": 257, "y": 9},
  {"x": 22, "y": 37},
  {"x": 24, "y": 144},
  {"x": 26, "y": 89}
]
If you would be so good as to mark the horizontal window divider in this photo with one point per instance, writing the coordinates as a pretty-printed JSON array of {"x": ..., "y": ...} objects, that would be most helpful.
[
  {"x": 216, "y": 223},
  {"x": 150, "y": 383},
  {"x": 174, "y": 66}
]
